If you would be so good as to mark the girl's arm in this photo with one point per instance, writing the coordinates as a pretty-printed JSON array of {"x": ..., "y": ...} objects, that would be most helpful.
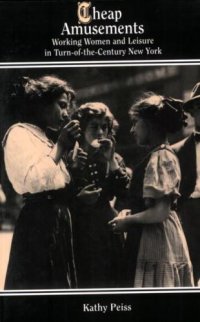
[
  {"x": 156, "y": 214},
  {"x": 119, "y": 178}
]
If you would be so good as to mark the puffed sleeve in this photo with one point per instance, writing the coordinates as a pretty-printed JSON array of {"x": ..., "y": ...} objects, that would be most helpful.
[
  {"x": 162, "y": 175},
  {"x": 28, "y": 165}
]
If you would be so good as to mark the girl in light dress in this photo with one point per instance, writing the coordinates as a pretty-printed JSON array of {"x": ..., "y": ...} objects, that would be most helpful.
[{"x": 156, "y": 253}]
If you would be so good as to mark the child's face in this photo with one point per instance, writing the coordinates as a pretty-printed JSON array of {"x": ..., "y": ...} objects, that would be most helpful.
[
  {"x": 140, "y": 130},
  {"x": 96, "y": 129}
]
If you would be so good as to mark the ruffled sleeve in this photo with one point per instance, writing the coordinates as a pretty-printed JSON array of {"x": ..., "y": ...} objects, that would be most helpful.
[{"x": 162, "y": 175}]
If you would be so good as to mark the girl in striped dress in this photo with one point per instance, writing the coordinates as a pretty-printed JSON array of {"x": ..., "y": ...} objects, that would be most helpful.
[{"x": 156, "y": 253}]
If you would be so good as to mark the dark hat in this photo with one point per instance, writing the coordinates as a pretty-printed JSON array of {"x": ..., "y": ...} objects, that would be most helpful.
[{"x": 194, "y": 98}]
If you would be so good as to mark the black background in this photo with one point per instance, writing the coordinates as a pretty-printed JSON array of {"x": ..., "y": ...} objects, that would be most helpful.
[
  {"x": 157, "y": 307},
  {"x": 26, "y": 27}
]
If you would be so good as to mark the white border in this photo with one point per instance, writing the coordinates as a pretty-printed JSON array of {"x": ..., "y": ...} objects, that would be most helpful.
[
  {"x": 98, "y": 63},
  {"x": 109, "y": 291}
]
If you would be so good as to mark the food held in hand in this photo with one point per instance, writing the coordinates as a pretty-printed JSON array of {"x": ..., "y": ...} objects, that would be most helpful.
[{"x": 95, "y": 144}]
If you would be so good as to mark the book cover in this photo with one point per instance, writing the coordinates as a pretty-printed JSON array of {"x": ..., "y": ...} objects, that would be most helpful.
[{"x": 110, "y": 52}]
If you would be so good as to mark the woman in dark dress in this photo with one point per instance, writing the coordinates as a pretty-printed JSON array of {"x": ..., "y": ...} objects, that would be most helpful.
[
  {"x": 156, "y": 253},
  {"x": 41, "y": 254},
  {"x": 97, "y": 249}
]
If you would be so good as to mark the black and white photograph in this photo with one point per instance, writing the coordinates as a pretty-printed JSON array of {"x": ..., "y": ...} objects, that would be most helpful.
[{"x": 99, "y": 178}]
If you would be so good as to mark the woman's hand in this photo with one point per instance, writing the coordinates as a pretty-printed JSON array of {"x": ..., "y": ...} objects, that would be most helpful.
[
  {"x": 66, "y": 140},
  {"x": 89, "y": 194},
  {"x": 77, "y": 160},
  {"x": 120, "y": 223},
  {"x": 107, "y": 148},
  {"x": 69, "y": 134}
]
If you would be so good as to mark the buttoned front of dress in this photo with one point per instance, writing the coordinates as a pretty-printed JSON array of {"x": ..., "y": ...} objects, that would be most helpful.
[{"x": 97, "y": 249}]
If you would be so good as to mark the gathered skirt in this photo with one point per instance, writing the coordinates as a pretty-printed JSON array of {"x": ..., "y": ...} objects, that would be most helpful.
[
  {"x": 163, "y": 258},
  {"x": 41, "y": 254}
]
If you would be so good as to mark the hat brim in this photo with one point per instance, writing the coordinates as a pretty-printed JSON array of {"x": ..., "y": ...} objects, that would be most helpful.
[{"x": 188, "y": 105}]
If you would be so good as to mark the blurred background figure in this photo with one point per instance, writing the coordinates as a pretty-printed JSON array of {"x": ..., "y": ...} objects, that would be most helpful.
[{"x": 188, "y": 151}]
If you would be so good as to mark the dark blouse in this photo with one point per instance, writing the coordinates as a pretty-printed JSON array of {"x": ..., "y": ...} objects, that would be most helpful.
[{"x": 97, "y": 250}]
